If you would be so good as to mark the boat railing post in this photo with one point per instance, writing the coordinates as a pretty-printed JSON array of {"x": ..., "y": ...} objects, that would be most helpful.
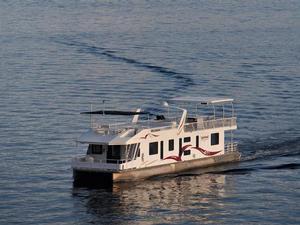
[
  {"x": 231, "y": 136},
  {"x": 91, "y": 118}
]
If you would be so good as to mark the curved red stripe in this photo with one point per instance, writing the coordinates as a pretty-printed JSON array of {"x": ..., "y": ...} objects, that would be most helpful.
[
  {"x": 174, "y": 157},
  {"x": 205, "y": 152},
  {"x": 185, "y": 147},
  {"x": 148, "y": 135}
]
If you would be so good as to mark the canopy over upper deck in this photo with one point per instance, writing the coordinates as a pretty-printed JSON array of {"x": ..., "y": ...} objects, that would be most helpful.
[{"x": 201, "y": 100}]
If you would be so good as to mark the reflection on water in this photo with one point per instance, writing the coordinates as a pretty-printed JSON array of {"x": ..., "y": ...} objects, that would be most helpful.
[{"x": 194, "y": 198}]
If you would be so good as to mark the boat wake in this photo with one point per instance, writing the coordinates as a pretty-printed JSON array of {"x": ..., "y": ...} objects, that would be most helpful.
[
  {"x": 244, "y": 171},
  {"x": 284, "y": 148},
  {"x": 183, "y": 79}
]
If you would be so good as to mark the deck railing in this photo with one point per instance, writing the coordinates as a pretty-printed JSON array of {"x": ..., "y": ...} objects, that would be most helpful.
[
  {"x": 231, "y": 147},
  {"x": 90, "y": 163},
  {"x": 135, "y": 128},
  {"x": 209, "y": 124},
  {"x": 95, "y": 160},
  {"x": 110, "y": 128},
  {"x": 93, "y": 163},
  {"x": 201, "y": 124}
]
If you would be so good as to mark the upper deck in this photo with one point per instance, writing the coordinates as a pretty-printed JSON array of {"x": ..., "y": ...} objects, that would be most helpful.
[
  {"x": 188, "y": 121},
  {"x": 200, "y": 123}
]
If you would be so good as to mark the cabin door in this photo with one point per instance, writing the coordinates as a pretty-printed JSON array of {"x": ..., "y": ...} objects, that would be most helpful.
[{"x": 161, "y": 150}]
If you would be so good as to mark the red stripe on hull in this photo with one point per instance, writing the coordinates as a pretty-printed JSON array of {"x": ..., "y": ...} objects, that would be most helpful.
[{"x": 205, "y": 152}]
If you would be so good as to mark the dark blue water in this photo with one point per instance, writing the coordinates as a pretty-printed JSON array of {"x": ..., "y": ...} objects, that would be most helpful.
[{"x": 57, "y": 57}]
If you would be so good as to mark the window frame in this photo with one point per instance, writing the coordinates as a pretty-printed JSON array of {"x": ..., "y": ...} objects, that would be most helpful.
[
  {"x": 94, "y": 149},
  {"x": 187, "y": 152},
  {"x": 153, "y": 148},
  {"x": 186, "y": 139},
  {"x": 171, "y": 145},
  {"x": 214, "y": 139}
]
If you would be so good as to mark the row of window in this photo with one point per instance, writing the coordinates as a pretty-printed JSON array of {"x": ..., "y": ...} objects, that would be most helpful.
[
  {"x": 114, "y": 152},
  {"x": 186, "y": 139},
  {"x": 153, "y": 146}
]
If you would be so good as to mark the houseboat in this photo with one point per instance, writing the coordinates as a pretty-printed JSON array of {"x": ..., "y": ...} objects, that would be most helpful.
[{"x": 193, "y": 132}]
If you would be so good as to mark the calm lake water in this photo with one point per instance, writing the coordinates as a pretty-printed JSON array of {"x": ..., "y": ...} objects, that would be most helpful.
[{"x": 57, "y": 57}]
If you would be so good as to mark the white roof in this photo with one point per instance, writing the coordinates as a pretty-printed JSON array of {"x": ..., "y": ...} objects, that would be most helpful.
[{"x": 202, "y": 100}]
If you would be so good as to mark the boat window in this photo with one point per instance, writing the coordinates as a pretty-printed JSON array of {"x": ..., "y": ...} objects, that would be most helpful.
[
  {"x": 113, "y": 154},
  {"x": 214, "y": 139},
  {"x": 171, "y": 144},
  {"x": 187, "y": 152},
  {"x": 137, "y": 151},
  {"x": 187, "y": 139},
  {"x": 122, "y": 149},
  {"x": 131, "y": 151},
  {"x": 197, "y": 141},
  {"x": 95, "y": 149},
  {"x": 117, "y": 148},
  {"x": 153, "y": 148}
]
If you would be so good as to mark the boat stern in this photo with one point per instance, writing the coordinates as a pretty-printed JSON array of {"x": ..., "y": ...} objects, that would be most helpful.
[{"x": 89, "y": 171}]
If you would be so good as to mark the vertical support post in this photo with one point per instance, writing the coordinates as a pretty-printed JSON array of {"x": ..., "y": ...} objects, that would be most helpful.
[
  {"x": 223, "y": 116},
  {"x": 231, "y": 141},
  {"x": 91, "y": 119},
  {"x": 223, "y": 111},
  {"x": 232, "y": 114}
]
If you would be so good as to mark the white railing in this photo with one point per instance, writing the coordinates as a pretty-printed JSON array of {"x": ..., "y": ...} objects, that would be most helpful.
[
  {"x": 231, "y": 147},
  {"x": 201, "y": 124},
  {"x": 119, "y": 128},
  {"x": 99, "y": 164},
  {"x": 209, "y": 124},
  {"x": 95, "y": 160},
  {"x": 110, "y": 128}
]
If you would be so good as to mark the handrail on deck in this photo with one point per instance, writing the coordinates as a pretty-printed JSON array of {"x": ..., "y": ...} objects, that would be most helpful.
[
  {"x": 200, "y": 124},
  {"x": 231, "y": 147},
  {"x": 95, "y": 160},
  {"x": 209, "y": 124}
]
